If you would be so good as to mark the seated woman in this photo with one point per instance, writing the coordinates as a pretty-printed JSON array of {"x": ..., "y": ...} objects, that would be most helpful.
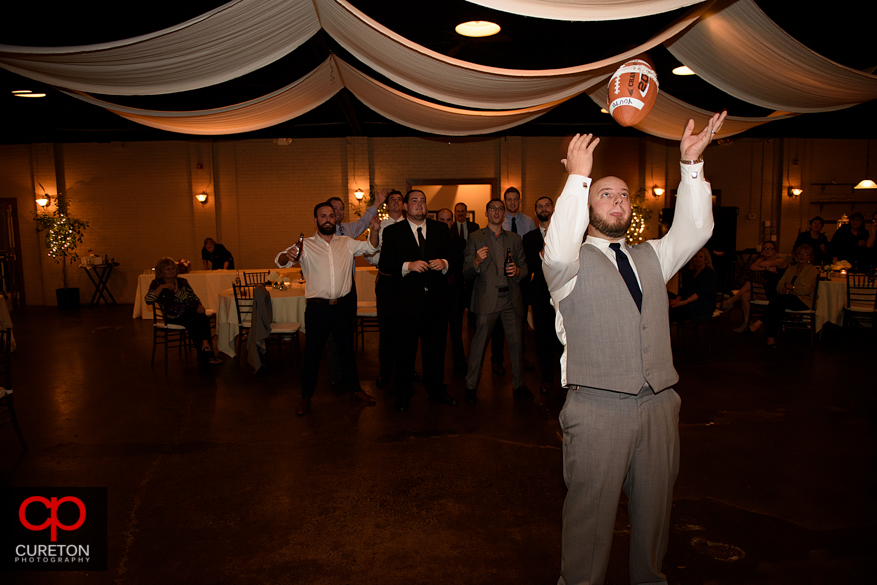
[
  {"x": 181, "y": 306},
  {"x": 697, "y": 294},
  {"x": 772, "y": 266},
  {"x": 795, "y": 289}
]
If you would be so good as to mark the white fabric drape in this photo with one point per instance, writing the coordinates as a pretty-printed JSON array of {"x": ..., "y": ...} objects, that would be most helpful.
[
  {"x": 738, "y": 49},
  {"x": 232, "y": 40},
  {"x": 459, "y": 82},
  {"x": 428, "y": 117},
  {"x": 669, "y": 117},
  {"x": 284, "y": 104},
  {"x": 585, "y": 9}
]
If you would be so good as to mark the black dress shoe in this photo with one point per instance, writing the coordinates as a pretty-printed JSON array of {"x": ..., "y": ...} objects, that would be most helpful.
[
  {"x": 523, "y": 393},
  {"x": 497, "y": 369},
  {"x": 402, "y": 405},
  {"x": 443, "y": 398},
  {"x": 381, "y": 383},
  {"x": 470, "y": 396}
]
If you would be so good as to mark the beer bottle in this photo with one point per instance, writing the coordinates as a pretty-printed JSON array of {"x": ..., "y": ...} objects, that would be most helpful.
[
  {"x": 508, "y": 260},
  {"x": 299, "y": 245}
]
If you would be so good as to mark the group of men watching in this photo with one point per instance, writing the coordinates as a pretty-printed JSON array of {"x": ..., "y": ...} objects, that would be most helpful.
[{"x": 429, "y": 273}]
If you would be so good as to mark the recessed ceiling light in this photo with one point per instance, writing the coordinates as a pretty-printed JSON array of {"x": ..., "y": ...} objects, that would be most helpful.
[
  {"x": 30, "y": 95},
  {"x": 19, "y": 91},
  {"x": 604, "y": 111},
  {"x": 683, "y": 70},
  {"x": 477, "y": 28}
]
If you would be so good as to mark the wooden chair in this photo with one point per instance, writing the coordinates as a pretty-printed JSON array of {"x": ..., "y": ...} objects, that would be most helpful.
[
  {"x": 254, "y": 278},
  {"x": 861, "y": 307},
  {"x": 243, "y": 301},
  {"x": 758, "y": 299},
  {"x": 366, "y": 321},
  {"x": 805, "y": 319},
  {"x": 168, "y": 334},
  {"x": 7, "y": 406}
]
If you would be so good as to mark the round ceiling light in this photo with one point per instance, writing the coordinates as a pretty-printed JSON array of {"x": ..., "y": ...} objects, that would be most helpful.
[
  {"x": 477, "y": 28},
  {"x": 683, "y": 70},
  {"x": 27, "y": 93}
]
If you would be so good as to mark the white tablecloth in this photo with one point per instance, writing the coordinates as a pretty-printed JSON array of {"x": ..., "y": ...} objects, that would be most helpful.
[
  {"x": 830, "y": 302},
  {"x": 288, "y": 306},
  {"x": 207, "y": 284}
]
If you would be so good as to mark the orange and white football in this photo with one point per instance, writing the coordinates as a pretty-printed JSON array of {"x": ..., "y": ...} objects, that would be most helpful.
[{"x": 633, "y": 90}]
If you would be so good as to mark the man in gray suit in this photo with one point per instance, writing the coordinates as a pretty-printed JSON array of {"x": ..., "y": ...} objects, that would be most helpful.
[
  {"x": 621, "y": 417},
  {"x": 496, "y": 296}
]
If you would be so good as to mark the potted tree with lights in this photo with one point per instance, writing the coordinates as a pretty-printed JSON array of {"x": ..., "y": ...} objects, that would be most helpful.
[{"x": 63, "y": 234}]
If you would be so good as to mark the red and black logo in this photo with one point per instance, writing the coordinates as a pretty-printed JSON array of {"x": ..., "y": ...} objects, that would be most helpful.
[{"x": 53, "y": 529}]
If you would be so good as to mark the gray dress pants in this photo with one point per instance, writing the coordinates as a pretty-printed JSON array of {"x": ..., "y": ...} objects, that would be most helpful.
[{"x": 612, "y": 442}]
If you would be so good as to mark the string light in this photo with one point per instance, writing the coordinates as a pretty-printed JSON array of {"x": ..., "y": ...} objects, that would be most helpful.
[{"x": 639, "y": 218}]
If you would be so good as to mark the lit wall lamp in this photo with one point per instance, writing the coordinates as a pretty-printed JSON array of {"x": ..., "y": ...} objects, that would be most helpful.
[
  {"x": 657, "y": 191},
  {"x": 794, "y": 192},
  {"x": 867, "y": 183},
  {"x": 43, "y": 201},
  {"x": 201, "y": 197},
  {"x": 359, "y": 194}
]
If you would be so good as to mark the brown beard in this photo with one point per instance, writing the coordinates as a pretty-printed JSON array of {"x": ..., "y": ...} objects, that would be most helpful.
[
  {"x": 617, "y": 229},
  {"x": 327, "y": 229}
]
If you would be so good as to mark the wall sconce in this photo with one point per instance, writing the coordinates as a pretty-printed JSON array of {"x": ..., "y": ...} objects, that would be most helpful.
[
  {"x": 201, "y": 197},
  {"x": 359, "y": 194},
  {"x": 43, "y": 201},
  {"x": 657, "y": 191},
  {"x": 794, "y": 192}
]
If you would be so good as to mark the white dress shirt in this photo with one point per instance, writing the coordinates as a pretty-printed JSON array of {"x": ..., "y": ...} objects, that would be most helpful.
[
  {"x": 375, "y": 258},
  {"x": 327, "y": 267},
  {"x": 692, "y": 227}
]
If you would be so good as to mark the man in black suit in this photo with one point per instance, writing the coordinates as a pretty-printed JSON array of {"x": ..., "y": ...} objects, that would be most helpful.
[
  {"x": 457, "y": 292},
  {"x": 462, "y": 227},
  {"x": 415, "y": 255},
  {"x": 536, "y": 294}
]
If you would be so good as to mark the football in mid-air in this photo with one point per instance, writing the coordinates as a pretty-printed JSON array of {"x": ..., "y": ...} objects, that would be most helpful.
[{"x": 633, "y": 90}]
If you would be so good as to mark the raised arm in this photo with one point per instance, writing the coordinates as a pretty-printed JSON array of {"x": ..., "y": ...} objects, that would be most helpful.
[
  {"x": 570, "y": 220},
  {"x": 693, "y": 219}
]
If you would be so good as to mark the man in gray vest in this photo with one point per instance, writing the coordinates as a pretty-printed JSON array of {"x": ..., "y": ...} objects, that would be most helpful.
[{"x": 621, "y": 417}]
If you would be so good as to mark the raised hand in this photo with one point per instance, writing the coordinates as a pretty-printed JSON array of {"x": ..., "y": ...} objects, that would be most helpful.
[
  {"x": 381, "y": 197},
  {"x": 692, "y": 145},
  {"x": 580, "y": 155}
]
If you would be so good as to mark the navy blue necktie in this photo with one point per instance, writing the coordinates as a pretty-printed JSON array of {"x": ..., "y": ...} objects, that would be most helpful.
[
  {"x": 628, "y": 275},
  {"x": 515, "y": 224}
]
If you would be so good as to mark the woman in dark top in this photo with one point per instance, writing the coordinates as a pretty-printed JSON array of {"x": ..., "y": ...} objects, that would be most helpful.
[
  {"x": 849, "y": 241},
  {"x": 817, "y": 240},
  {"x": 697, "y": 296},
  {"x": 772, "y": 266},
  {"x": 216, "y": 256},
  {"x": 181, "y": 306},
  {"x": 795, "y": 289}
]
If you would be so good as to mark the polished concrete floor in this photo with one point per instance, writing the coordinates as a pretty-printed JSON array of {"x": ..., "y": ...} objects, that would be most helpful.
[{"x": 212, "y": 479}]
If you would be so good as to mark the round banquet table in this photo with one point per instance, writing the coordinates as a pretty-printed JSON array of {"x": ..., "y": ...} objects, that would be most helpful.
[
  {"x": 830, "y": 301},
  {"x": 287, "y": 306}
]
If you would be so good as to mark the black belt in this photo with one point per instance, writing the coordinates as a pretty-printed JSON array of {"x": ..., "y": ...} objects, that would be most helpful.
[
  {"x": 503, "y": 289},
  {"x": 323, "y": 301}
]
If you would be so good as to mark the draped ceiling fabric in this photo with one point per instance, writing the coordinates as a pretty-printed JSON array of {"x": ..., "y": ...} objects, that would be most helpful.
[
  {"x": 669, "y": 117},
  {"x": 429, "y": 117},
  {"x": 284, "y": 104},
  {"x": 223, "y": 44},
  {"x": 585, "y": 9},
  {"x": 731, "y": 44},
  {"x": 462, "y": 83},
  {"x": 807, "y": 83}
]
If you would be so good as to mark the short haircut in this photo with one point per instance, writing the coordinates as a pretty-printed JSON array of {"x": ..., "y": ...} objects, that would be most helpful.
[
  {"x": 394, "y": 192},
  {"x": 493, "y": 201},
  {"x": 463, "y": 204},
  {"x": 323, "y": 204},
  {"x": 160, "y": 266},
  {"x": 408, "y": 195},
  {"x": 209, "y": 240},
  {"x": 540, "y": 199},
  {"x": 818, "y": 218},
  {"x": 444, "y": 209},
  {"x": 511, "y": 190},
  {"x": 338, "y": 199}
]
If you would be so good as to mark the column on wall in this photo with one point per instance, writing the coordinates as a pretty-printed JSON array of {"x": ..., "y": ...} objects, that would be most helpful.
[{"x": 200, "y": 170}]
